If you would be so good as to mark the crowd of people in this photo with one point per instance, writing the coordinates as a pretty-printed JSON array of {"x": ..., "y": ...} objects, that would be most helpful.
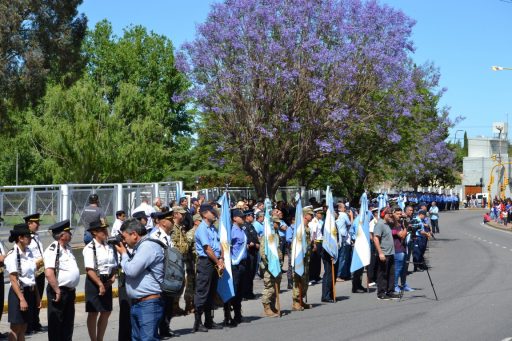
[{"x": 191, "y": 231}]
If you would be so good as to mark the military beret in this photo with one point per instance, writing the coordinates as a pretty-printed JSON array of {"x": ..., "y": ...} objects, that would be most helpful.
[{"x": 197, "y": 217}]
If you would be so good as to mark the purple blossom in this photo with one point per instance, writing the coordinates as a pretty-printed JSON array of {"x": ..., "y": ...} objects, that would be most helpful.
[{"x": 394, "y": 137}]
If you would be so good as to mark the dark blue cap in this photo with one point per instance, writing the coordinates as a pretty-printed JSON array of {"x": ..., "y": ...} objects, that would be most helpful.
[{"x": 61, "y": 226}]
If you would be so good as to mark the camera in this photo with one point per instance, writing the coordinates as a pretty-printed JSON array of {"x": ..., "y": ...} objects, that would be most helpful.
[{"x": 116, "y": 240}]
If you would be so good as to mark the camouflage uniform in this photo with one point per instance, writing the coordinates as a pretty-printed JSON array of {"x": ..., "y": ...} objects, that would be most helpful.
[
  {"x": 268, "y": 296},
  {"x": 180, "y": 241},
  {"x": 300, "y": 283},
  {"x": 191, "y": 271}
]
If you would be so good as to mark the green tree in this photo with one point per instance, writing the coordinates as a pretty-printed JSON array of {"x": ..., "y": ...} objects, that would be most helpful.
[
  {"x": 40, "y": 41},
  {"x": 121, "y": 120}
]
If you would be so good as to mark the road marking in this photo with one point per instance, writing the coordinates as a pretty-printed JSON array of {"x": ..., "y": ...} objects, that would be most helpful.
[{"x": 504, "y": 247}]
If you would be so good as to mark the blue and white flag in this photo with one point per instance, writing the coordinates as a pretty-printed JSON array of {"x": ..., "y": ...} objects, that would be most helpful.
[
  {"x": 271, "y": 240},
  {"x": 299, "y": 244},
  {"x": 179, "y": 191},
  {"x": 361, "y": 253},
  {"x": 400, "y": 201},
  {"x": 330, "y": 241},
  {"x": 225, "y": 286}
]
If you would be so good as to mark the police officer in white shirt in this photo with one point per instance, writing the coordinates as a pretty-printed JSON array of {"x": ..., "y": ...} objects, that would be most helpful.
[
  {"x": 100, "y": 261},
  {"x": 162, "y": 232},
  {"x": 147, "y": 209},
  {"x": 23, "y": 296},
  {"x": 36, "y": 247},
  {"x": 63, "y": 276}
]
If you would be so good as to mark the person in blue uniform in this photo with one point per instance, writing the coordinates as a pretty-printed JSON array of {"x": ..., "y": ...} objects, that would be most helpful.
[{"x": 210, "y": 264}]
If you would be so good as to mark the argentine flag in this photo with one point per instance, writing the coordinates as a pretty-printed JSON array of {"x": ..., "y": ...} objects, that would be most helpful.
[
  {"x": 330, "y": 241},
  {"x": 299, "y": 245},
  {"x": 271, "y": 241},
  {"x": 225, "y": 286},
  {"x": 361, "y": 253}
]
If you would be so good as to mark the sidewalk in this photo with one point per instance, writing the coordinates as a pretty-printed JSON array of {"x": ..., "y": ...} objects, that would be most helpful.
[{"x": 500, "y": 226}]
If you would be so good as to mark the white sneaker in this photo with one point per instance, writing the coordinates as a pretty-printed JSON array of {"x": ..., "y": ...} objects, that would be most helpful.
[{"x": 372, "y": 284}]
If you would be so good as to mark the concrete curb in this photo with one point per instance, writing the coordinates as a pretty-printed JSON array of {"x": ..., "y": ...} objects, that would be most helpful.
[
  {"x": 80, "y": 297},
  {"x": 499, "y": 226}
]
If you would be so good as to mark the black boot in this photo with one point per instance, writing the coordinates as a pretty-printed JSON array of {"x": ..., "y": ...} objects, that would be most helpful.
[
  {"x": 228, "y": 321},
  {"x": 198, "y": 325},
  {"x": 238, "y": 316},
  {"x": 208, "y": 320}
]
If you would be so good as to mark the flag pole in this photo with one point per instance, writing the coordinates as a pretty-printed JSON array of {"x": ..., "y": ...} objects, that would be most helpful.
[
  {"x": 333, "y": 280},
  {"x": 278, "y": 304}
]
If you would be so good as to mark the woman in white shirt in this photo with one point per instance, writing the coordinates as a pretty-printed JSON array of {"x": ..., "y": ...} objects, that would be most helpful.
[
  {"x": 23, "y": 297},
  {"x": 100, "y": 261}
]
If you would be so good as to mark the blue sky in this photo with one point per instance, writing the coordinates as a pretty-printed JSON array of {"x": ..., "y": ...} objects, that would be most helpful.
[{"x": 463, "y": 38}]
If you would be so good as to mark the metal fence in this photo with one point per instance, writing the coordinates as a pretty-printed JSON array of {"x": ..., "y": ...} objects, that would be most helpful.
[{"x": 59, "y": 202}]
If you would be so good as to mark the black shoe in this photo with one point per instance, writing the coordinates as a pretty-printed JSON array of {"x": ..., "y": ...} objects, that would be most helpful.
[
  {"x": 239, "y": 319},
  {"x": 212, "y": 325},
  {"x": 290, "y": 286},
  {"x": 199, "y": 328},
  {"x": 393, "y": 296},
  {"x": 231, "y": 323},
  {"x": 358, "y": 291},
  {"x": 383, "y": 297},
  {"x": 250, "y": 296},
  {"x": 328, "y": 300},
  {"x": 168, "y": 333}
]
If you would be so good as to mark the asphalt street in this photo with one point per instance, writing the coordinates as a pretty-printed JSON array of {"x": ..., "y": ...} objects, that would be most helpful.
[{"x": 470, "y": 269}]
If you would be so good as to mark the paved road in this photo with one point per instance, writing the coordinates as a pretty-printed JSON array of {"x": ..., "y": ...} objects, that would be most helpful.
[{"x": 471, "y": 273}]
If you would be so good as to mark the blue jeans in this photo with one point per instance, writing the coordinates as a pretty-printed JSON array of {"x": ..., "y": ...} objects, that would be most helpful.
[
  {"x": 399, "y": 268},
  {"x": 145, "y": 317}
]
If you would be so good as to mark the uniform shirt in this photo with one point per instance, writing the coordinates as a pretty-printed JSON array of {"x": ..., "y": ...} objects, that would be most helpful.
[
  {"x": 106, "y": 258},
  {"x": 258, "y": 227},
  {"x": 281, "y": 232},
  {"x": 316, "y": 229},
  {"x": 69, "y": 275},
  {"x": 116, "y": 227},
  {"x": 2, "y": 252},
  {"x": 36, "y": 247},
  {"x": 28, "y": 265},
  {"x": 91, "y": 214},
  {"x": 434, "y": 212},
  {"x": 289, "y": 233},
  {"x": 207, "y": 235},
  {"x": 145, "y": 270},
  {"x": 238, "y": 245},
  {"x": 383, "y": 231},
  {"x": 162, "y": 236},
  {"x": 342, "y": 224}
]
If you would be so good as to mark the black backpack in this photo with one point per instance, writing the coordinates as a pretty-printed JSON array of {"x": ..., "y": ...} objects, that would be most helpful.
[{"x": 174, "y": 271}]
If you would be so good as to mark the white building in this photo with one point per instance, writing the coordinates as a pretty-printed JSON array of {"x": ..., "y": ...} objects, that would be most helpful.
[{"x": 482, "y": 153}]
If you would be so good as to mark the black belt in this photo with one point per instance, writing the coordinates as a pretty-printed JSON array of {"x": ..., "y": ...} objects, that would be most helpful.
[
  {"x": 66, "y": 289},
  {"x": 29, "y": 287}
]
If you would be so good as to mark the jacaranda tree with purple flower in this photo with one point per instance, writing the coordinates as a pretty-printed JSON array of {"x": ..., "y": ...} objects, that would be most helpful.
[{"x": 283, "y": 82}]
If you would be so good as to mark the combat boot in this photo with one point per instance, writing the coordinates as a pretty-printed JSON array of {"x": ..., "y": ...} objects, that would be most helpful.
[
  {"x": 198, "y": 325},
  {"x": 306, "y": 305},
  {"x": 208, "y": 320},
  {"x": 267, "y": 311},
  {"x": 228, "y": 321}
]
